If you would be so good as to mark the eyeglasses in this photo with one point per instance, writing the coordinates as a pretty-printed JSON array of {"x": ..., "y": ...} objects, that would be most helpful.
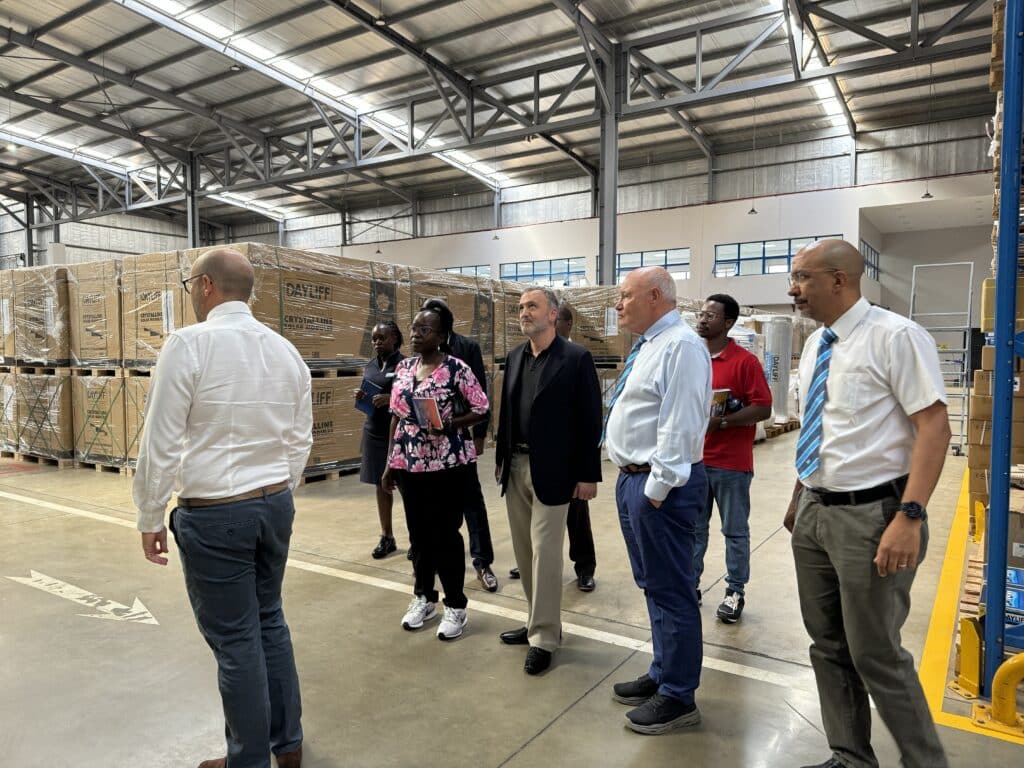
[
  {"x": 422, "y": 330},
  {"x": 187, "y": 280},
  {"x": 708, "y": 315},
  {"x": 804, "y": 276}
]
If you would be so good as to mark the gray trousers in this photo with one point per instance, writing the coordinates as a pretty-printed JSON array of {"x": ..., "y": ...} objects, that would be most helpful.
[
  {"x": 538, "y": 538},
  {"x": 854, "y": 618},
  {"x": 233, "y": 556}
]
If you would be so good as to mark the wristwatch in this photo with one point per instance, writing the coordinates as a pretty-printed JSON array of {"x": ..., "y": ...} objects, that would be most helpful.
[{"x": 913, "y": 510}]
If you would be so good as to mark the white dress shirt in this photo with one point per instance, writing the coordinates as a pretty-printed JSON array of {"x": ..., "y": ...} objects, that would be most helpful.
[
  {"x": 229, "y": 411},
  {"x": 662, "y": 414},
  {"x": 884, "y": 368}
]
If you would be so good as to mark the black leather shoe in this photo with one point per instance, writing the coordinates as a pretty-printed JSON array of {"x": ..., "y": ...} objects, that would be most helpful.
[
  {"x": 513, "y": 573},
  {"x": 384, "y": 548},
  {"x": 830, "y": 763},
  {"x": 537, "y": 660},
  {"x": 586, "y": 583},
  {"x": 514, "y": 637}
]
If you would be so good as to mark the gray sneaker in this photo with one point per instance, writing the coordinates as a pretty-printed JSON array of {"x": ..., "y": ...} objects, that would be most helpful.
[
  {"x": 731, "y": 608},
  {"x": 419, "y": 612}
]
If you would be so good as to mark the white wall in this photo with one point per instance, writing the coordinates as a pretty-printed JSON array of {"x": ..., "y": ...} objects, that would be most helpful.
[
  {"x": 699, "y": 227},
  {"x": 941, "y": 290}
]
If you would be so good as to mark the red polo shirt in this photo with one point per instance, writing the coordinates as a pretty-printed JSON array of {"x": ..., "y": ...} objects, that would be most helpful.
[{"x": 741, "y": 373}]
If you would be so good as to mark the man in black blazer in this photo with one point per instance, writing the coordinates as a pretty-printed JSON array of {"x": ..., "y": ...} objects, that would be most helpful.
[{"x": 547, "y": 454}]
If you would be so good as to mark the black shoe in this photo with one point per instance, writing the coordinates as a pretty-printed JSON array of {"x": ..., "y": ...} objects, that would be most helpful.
[
  {"x": 586, "y": 583},
  {"x": 514, "y": 637},
  {"x": 513, "y": 573},
  {"x": 635, "y": 692},
  {"x": 487, "y": 578},
  {"x": 731, "y": 608},
  {"x": 661, "y": 714},
  {"x": 537, "y": 660},
  {"x": 830, "y": 763},
  {"x": 384, "y": 548},
  {"x": 699, "y": 600},
  {"x": 408, "y": 554}
]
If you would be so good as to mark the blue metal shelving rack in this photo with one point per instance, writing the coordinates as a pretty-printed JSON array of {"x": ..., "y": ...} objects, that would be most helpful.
[{"x": 1007, "y": 343}]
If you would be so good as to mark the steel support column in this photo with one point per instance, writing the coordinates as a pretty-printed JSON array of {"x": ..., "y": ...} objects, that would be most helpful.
[
  {"x": 416, "y": 217},
  {"x": 281, "y": 234},
  {"x": 30, "y": 256},
  {"x": 192, "y": 202},
  {"x": 608, "y": 170},
  {"x": 497, "y": 209}
]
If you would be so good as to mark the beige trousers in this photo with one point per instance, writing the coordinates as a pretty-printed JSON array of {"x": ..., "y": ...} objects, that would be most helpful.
[{"x": 538, "y": 538}]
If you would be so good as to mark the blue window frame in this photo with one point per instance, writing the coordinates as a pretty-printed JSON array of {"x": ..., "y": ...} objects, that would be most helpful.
[
  {"x": 675, "y": 260},
  {"x": 552, "y": 272},
  {"x": 761, "y": 257},
  {"x": 480, "y": 270}
]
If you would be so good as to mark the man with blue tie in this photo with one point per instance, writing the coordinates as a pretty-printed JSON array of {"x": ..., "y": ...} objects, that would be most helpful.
[
  {"x": 873, "y": 441},
  {"x": 654, "y": 433}
]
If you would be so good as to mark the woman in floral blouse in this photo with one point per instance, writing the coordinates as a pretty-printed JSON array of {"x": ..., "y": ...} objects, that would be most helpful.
[{"x": 431, "y": 467}]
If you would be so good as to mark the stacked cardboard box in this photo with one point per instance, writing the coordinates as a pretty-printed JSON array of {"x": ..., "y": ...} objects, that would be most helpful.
[
  {"x": 98, "y": 409},
  {"x": 94, "y": 308},
  {"x": 507, "y": 333},
  {"x": 153, "y": 305},
  {"x": 43, "y": 415},
  {"x": 7, "y": 317},
  {"x": 41, "y": 335},
  {"x": 136, "y": 395},
  {"x": 9, "y": 412},
  {"x": 595, "y": 323},
  {"x": 337, "y": 423}
]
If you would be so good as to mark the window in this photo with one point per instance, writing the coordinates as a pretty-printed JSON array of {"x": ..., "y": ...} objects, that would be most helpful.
[
  {"x": 480, "y": 270},
  {"x": 557, "y": 273},
  {"x": 870, "y": 255},
  {"x": 675, "y": 260},
  {"x": 761, "y": 257}
]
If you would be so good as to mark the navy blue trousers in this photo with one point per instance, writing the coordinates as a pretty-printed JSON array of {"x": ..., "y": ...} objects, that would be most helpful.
[
  {"x": 233, "y": 556},
  {"x": 660, "y": 543}
]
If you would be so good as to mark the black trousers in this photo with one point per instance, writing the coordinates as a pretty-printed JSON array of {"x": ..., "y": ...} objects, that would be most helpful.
[
  {"x": 475, "y": 512},
  {"x": 581, "y": 538},
  {"x": 434, "y": 524}
]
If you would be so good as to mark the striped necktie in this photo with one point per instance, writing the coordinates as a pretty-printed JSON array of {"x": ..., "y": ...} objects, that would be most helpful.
[
  {"x": 621, "y": 384},
  {"x": 809, "y": 444}
]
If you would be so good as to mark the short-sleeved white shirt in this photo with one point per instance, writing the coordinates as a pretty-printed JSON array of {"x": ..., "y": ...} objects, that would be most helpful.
[{"x": 884, "y": 368}]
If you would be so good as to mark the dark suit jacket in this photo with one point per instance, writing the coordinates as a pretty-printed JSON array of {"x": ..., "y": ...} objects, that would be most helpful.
[
  {"x": 468, "y": 351},
  {"x": 565, "y": 422}
]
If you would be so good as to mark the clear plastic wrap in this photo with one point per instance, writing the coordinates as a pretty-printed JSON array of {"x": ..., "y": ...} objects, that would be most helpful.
[
  {"x": 43, "y": 413},
  {"x": 596, "y": 323},
  {"x": 9, "y": 414},
  {"x": 337, "y": 424},
  {"x": 153, "y": 304},
  {"x": 98, "y": 408},
  {"x": 7, "y": 351},
  {"x": 136, "y": 394},
  {"x": 94, "y": 309},
  {"x": 41, "y": 335}
]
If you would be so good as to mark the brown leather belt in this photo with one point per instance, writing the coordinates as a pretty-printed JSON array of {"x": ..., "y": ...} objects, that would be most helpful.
[
  {"x": 635, "y": 469},
  {"x": 267, "y": 490}
]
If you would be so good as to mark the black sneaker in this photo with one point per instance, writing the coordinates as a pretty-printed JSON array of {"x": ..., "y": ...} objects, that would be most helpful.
[
  {"x": 385, "y": 547},
  {"x": 661, "y": 714},
  {"x": 731, "y": 608},
  {"x": 700, "y": 600},
  {"x": 635, "y": 692}
]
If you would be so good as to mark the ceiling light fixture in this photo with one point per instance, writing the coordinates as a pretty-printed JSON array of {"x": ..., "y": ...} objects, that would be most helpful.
[
  {"x": 927, "y": 195},
  {"x": 378, "y": 250},
  {"x": 381, "y": 20},
  {"x": 928, "y": 140},
  {"x": 495, "y": 237},
  {"x": 235, "y": 67}
]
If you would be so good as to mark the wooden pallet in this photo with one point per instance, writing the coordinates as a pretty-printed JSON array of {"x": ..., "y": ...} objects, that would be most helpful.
[
  {"x": 129, "y": 373},
  {"x": 780, "y": 429},
  {"x": 118, "y": 469},
  {"x": 319, "y": 475},
  {"x": 5, "y": 454},
  {"x": 44, "y": 461},
  {"x": 334, "y": 373},
  {"x": 112, "y": 372},
  {"x": 42, "y": 370}
]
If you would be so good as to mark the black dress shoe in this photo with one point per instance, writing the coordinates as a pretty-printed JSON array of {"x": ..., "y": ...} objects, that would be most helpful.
[
  {"x": 384, "y": 548},
  {"x": 537, "y": 660},
  {"x": 514, "y": 637},
  {"x": 586, "y": 583},
  {"x": 513, "y": 573}
]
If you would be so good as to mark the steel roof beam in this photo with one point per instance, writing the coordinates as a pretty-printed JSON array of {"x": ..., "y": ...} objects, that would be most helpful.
[{"x": 954, "y": 22}]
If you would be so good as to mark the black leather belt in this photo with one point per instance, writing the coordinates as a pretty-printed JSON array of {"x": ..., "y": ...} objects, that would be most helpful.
[
  {"x": 521, "y": 448},
  {"x": 636, "y": 469},
  {"x": 891, "y": 489}
]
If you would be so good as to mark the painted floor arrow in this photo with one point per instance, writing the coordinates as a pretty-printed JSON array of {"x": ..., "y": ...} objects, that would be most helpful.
[{"x": 108, "y": 609}]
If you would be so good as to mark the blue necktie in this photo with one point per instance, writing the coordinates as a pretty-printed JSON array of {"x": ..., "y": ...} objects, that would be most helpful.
[
  {"x": 809, "y": 444},
  {"x": 621, "y": 384}
]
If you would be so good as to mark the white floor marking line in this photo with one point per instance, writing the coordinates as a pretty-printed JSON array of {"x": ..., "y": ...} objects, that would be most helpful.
[
  {"x": 608, "y": 638},
  {"x": 108, "y": 609}
]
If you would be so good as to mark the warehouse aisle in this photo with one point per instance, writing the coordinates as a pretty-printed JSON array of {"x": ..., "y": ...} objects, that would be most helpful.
[{"x": 87, "y": 692}]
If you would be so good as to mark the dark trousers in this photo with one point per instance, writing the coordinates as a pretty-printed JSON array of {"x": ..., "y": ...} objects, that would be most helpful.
[
  {"x": 730, "y": 489},
  {"x": 660, "y": 544},
  {"x": 854, "y": 618},
  {"x": 475, "y": 512},
  {"x": 581, "y": 538},
  {"x": 234, "y": 556},
  {"x": 434, "y": 524}
]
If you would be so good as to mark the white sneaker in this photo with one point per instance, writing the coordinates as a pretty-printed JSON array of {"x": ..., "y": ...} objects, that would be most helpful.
[
  {"x": 452, "y": 623},
  {"x": 420, "y": 610}
]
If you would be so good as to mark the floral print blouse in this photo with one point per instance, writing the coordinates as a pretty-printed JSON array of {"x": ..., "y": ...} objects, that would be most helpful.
[{"x": 416, "y": 450}]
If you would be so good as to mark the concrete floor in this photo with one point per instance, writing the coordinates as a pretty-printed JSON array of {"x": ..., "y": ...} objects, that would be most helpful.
[{"x": 88, "y": 693}]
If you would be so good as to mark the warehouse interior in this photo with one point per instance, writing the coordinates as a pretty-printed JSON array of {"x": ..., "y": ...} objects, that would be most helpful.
[{"x": 365, "y": 155}]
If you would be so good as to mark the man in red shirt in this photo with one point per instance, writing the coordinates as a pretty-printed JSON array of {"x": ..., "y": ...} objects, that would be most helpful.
[{"x": 729, "y": 447}]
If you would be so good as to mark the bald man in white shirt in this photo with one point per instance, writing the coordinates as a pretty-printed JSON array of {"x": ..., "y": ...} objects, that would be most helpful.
[
  {"x": 873, "y": 441},
  {"x": 229, "y": 426}
]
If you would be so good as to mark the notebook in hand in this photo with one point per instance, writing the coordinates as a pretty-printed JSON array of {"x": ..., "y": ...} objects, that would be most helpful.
[
  {"x": 370, "y": 390},
  {"x": 427, "y": 413}
]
